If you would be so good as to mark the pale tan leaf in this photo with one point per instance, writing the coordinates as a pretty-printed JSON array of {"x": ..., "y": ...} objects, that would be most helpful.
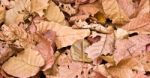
[
  {"x": 25, "y": 64},
  {"x": 20, "y": 5},
  {"x": 2, "y": 14},
  {"x": 71, "y": 68},
  {"x": 104, "y": 46},
  {"x": 114, "y": 12},
  {"x": 124, "y": 68},
  {"x": 53, "y": 13},
  {"x": 65, "y": 35},
  {"x": 38, "y": 6},
  {"x": 139, "y": 24},
  {"x": 77, "y": 51}
]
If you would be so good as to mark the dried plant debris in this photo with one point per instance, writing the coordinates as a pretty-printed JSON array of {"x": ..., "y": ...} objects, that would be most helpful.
[{"x": 74, "y": 38}]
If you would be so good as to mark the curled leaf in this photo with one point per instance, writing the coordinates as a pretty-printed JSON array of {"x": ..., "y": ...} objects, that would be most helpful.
[
  {"x": 25, "y": 64},
  {"x": 53, "y": 13},
  {"x": 114, "y": 12},
  {"x": 77, "y": 51}
]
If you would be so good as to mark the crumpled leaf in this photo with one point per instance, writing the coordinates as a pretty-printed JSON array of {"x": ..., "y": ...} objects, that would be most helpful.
[
  {"x": 2, "y": 14},
  {"x": 96, "y": 27},
  {"x": 25, "y": 64},
  {"x": 77, "y": 51},
  {"x": 20, "y": 5},
  {"x": 139, "y": 24},
  {"x": 71, "y": 68},
  {"x": 53, "y": 13},
  {"x": 104, "y": 46},
  {"x": 114, "y": 12},
  {"x": 133, "y": 46},
  {"x": 124, "y": 68},
  {"x": 5, "y": 52},
  {"x": 67, "y": 8},
  {"x": 88, "y": 9},
  {"x": 64, "y": 37},
  {"x": 38, "y": 6},
  {"x": 45, "y": 48}
]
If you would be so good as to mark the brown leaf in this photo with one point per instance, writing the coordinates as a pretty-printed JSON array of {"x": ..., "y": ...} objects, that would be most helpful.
[
  {"x": 77, "y": 51},
  {"x": 53, "y": 13},
  {"x": 20, "y": 5},
  {"x": 38, "y": 6},
  {"x": 139, "y": 24},
  {"x": 71, "y": 68},
  {"x": 133, "y": 46},
  {"x": 2, "y": 14},
  {"x": 64, "y": 36},
  {"x": 25, "y": 64},
  {"x": 45, "y": 48},
  {"x": 124, "y": 68},
  {"x": 5, "y": 52},
  {"x": 104, "y": 46},
  {"x": 114, "y": 12},
  {"x": 127, "y": 6}
]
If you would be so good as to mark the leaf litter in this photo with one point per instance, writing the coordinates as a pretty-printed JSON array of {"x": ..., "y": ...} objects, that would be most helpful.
[{"x": 74, "y": 38}]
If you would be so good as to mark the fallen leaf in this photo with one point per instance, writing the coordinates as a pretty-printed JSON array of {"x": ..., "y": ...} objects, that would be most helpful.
[
  {"x": 20, "y": 5},
  {"x": 25, "y": 64},
  {"x": 104, "y": 46},
  {"x": 71, "y": 68},
  {"x": 127, "y": 6},
  {"x": 38, "y": 6},
  {"x": 2, "y": 14},
  {"x": 77, "y": 51},
  {"x": 114, "y": 12},
  {"x": 143, "y": 7},
  {"x": 5, "y": 52},
  {"x": 45, "y": 49},
  {"x": 139, "y": 24},
  {"x": 133, "y": 46},
  {"x": 64, "y": 37},
  {"x": 53, "y": 13},
  {"x": 124, "y": 68}
]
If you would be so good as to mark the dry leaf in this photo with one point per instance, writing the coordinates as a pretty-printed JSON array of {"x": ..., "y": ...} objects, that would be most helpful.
[
  {"x": 20, "y": 5},
  {"x": 104, "y": 46},
  {"x": 143, "y": 7},
  {"x": 5, "y": 52},
  {"x": 71, "y": 68},
  {"x": 67, "y": 8},
  {"x": 2, "y": 14},
  {"x": 124, "y": 68},
  {"x": 139, "y": 24},
  {"x": 53, "y": 13},
  {"x": 88, "y": 9},
  {"x": 45, "y": 48},
  {"x": 38, "y": 6},
  {"x": 133, "y": 46},
  {"x": 25, "y": 64},
  {"x": 114, "y": 12},
  {"x": 77, "y": 51},
  {"x": 64, "y": 37},
  {"x": 127, "y": 6}
]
